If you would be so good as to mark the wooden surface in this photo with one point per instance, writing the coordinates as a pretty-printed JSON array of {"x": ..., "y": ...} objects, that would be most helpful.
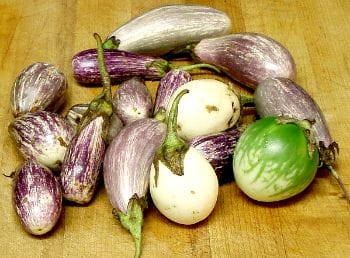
[{"x": 314, "y": 224}]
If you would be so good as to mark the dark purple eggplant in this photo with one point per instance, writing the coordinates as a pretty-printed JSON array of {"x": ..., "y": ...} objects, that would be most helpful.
[
  {"x": 248, "y": 58},
  {"x": 132, "y": 101},
  {"x": 82, "y": 163},
  {"x": 282, "y": 96},
  {"x": 40, "y": 86},
  {"x": 218, "y": 149},
  {"x": 126, "y": 171},
  {"x": 43, "y": 136},
  {"x": 37, "y": 198},
  {"x": 167, "y": 86}
]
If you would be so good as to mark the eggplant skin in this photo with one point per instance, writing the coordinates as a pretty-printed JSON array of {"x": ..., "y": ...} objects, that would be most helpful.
[
  {"x": 160, "y": 30},
  {"x": 248, "y": 58},
  {"x": 37, "y": 198},
  {"x": 218, "y": 149},
  {"x": 82, "y": 163},
  {"x": 40, "y": 86},
  {"x": 121, "y": 65},
  {"x": 282, "y": 96},
  {"x": 128, "y": 159}
]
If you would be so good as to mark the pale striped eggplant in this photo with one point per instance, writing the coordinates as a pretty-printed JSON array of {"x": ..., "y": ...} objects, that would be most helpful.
[
  {"x": 248, "y": 58},
  {"x": 165, "y": 28},
  {"x": 132, "y": 101},
  {"x": 43, "y": 136},
  {"x": 40, "y": 86},
  {"x": 37, "y": 198}
]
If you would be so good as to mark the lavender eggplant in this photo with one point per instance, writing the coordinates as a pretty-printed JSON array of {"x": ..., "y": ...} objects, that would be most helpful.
[
  {"x": 81, "y": 166},
  {"x": 167, "y": 86},
  {"x": 218, "y": 149},
  {"x": 43, "y": 136},
  {"x": 162, "y": 29},
  {"x": 126, "y": 170},
  {"x": 40, "y": 86},
  {"x": 122, "y": 65},
  {"x": 37, "y": 198},
  {"x": 248, "y": 58},
  {"x": 282, "y": 96},
  {"x": 132, "y": 101}
]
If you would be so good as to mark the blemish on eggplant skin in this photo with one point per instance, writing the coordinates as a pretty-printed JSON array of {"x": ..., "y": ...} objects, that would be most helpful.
[
  {"x": 192, "y": 192},
  {"x": 211, "y": 108},
  {"x": 230, "y": 121}
]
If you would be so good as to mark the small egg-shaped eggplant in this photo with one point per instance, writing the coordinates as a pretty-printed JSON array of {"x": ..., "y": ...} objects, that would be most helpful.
[
  {"x": 132, "y": 101},
  {"x": 37, "y": 198},
  {"x": 82, "y": 163},
  {"x": 248, "y": 58},
  {"x": 43, "y": 136},
  {"x": 167, "y": 86},
  {"x": 40, "y": 86},
  {"x": 211, "y": 106}
]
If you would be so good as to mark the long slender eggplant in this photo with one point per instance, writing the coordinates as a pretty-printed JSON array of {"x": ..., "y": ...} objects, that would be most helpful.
[
  {"x": 162, "y": 29},
  {"x": 248, "y": 58},
  {"x": 282, "y": 96},
  {"x": 40, "y": 86},
  {"x": 122, "y": 65},
  {"x": 126, "y": 171},
  {"x": 43, "y": 136},
  {"x": 37, "y": 198},
  {"x": 132, "y": 100},
  {"x": 218, "y": 149},
  {"x": 81, "y": 166},
  {"x": 167, "y": 86}
]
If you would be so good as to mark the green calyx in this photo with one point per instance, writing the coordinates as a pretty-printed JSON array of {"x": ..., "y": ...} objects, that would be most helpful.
[
  {"x": 173, "y": 150},
  {"x": 111, "y": 43},
  {"x": 132, "y": 220},
  {"x": 101, "y": 105}
]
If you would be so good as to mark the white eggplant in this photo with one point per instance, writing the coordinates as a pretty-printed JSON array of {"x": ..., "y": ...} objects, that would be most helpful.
[
  {"x": 165, "y": 28},
  {"x": 211, "y": 106}
]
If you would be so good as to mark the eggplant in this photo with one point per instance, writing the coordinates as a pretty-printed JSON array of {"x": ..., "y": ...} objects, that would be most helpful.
[
  {"x": 165, "y": 28},
  {"x": 167, "y": 86},
  {"x": 40, "y": 86},
  {"x": 248, "y": 58},
  {"x": 218, "y": 148},
  {"x": 132, "y": 101},
  {"x": 37, "y": 198},
  {"x": 82, "y": 163},
  {"x": 43, "y": 136},
  {"x": 126, "y": 170},
  {"x": 283, "y": 96}
]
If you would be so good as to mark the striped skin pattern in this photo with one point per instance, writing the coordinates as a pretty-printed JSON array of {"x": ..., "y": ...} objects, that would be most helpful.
[
  {"x": 121, "y": 65},
  {"x": 162, "y": 29},
  {"x": 43, "y": 136},
  {"x": 40, "y": 86},
  {"x": 82, "y": 163},
  {"x": 247, "y": 58},
  {"x": 128, "y": 161},
  {"x": 37, "y": 198},
  {"x": 267, "y": 168}
]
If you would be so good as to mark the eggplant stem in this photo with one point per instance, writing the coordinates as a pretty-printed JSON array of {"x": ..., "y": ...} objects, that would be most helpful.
[
  {"x": 196, "y": 66},
  {"x": 132, "y": 221},
  {"x": 340, "y": 182}
]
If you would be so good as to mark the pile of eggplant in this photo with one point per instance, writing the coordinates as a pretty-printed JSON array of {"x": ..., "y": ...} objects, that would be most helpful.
[{"x": 177, "y": 149}]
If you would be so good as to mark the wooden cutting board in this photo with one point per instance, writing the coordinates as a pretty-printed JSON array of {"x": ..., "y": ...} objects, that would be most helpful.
[{"x": 314, "y": 224}]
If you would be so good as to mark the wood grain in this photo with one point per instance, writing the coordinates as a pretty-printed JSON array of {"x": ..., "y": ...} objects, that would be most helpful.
[{"x": 313, "y": 224}]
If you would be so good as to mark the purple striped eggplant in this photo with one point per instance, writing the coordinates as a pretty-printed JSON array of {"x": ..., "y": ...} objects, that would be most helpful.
[
  {"x": 132, "y": 101},
  {"x": 82, "y": 163},
  {"x": 43, "y": 136},
  {"x": 218, "y": 149},
  {"x": 167, "y": 86},
  {"x": 37, "y": 198},
  {"x": 40, "y": 86},
  {"x": 282, "y": 96},
  {"x": 126, "y": 171},
  {"x": 165, "y": 28},
  {"x": 248, "y": 58}
]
